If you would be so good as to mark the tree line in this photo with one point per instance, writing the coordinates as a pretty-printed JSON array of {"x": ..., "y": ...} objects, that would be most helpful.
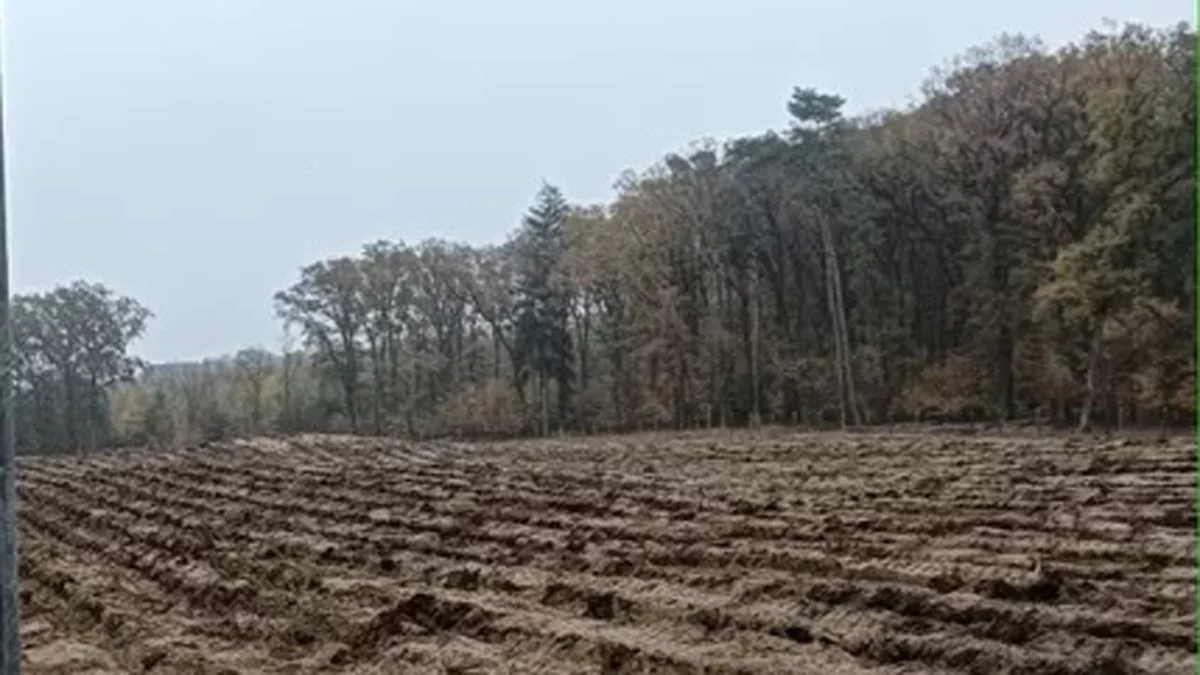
[{"x": 1020, "y": 243}]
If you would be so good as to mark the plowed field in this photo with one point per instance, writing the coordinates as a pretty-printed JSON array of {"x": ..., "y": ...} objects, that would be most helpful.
[{"x": 729, "y": 553}]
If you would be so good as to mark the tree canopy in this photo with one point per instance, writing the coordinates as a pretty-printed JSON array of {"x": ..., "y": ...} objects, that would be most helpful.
[{"x": 1018, "y": 243}]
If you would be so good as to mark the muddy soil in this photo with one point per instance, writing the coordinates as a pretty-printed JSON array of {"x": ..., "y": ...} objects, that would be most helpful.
[{"x": 703, "y": 553}]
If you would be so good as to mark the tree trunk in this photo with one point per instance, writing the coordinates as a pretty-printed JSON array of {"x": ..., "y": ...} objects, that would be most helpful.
[
  {"x": 286, "y": 403},
  {"x": 256, "y": 403},
  {"x": 1004, "y": 364},
  {"x": 678, "y": 389},
  {"x": 410, "y": 395},
  {"x": 561, "y": 377},
  {"x": 495, "y": 354},
  {"x": 72, "y": 410},
  {"x": 351, "y": 404},
  {"x": 618, "y": 379},
  {"x": 585, "y": 338},
  {"x": 831, "y": 299},
  {"x": 544, "y": 402},
  {"x": 755, "y": 403},
  {"x": 376, "y": 385},
  {"x": 838, "y": 362},
  {"x": 393, "y": 357},
  {"x": 94, "y": 413},
  {"x": 1089, "y": 397},
  {"x": 843, "y": 332}
]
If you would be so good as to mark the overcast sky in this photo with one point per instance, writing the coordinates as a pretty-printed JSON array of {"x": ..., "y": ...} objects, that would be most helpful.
[{"x": 195, "y": 153}]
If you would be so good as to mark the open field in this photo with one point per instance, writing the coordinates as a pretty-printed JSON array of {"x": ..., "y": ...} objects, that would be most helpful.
[{"x": 717, "y": 553}]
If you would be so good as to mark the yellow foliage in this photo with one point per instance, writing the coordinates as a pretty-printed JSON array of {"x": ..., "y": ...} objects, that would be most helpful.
[{"x": 947, "y": 387}]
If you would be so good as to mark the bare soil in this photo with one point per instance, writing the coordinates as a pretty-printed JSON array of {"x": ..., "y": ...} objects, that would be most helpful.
[{"x": 703, "y": 553}]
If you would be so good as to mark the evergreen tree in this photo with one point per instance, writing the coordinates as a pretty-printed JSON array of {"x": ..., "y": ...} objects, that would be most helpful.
[{"x": 543, "y": 346}]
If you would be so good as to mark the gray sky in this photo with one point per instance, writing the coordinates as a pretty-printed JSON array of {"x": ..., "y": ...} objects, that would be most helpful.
[{"x": 195, "y": 153}]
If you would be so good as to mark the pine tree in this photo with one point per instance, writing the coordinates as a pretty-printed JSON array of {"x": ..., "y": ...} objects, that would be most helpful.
[{"x": 543, "y": 346}]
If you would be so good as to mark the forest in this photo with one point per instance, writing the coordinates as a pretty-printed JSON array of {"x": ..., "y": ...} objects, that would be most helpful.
[{"x": 1019, "y": 244}]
